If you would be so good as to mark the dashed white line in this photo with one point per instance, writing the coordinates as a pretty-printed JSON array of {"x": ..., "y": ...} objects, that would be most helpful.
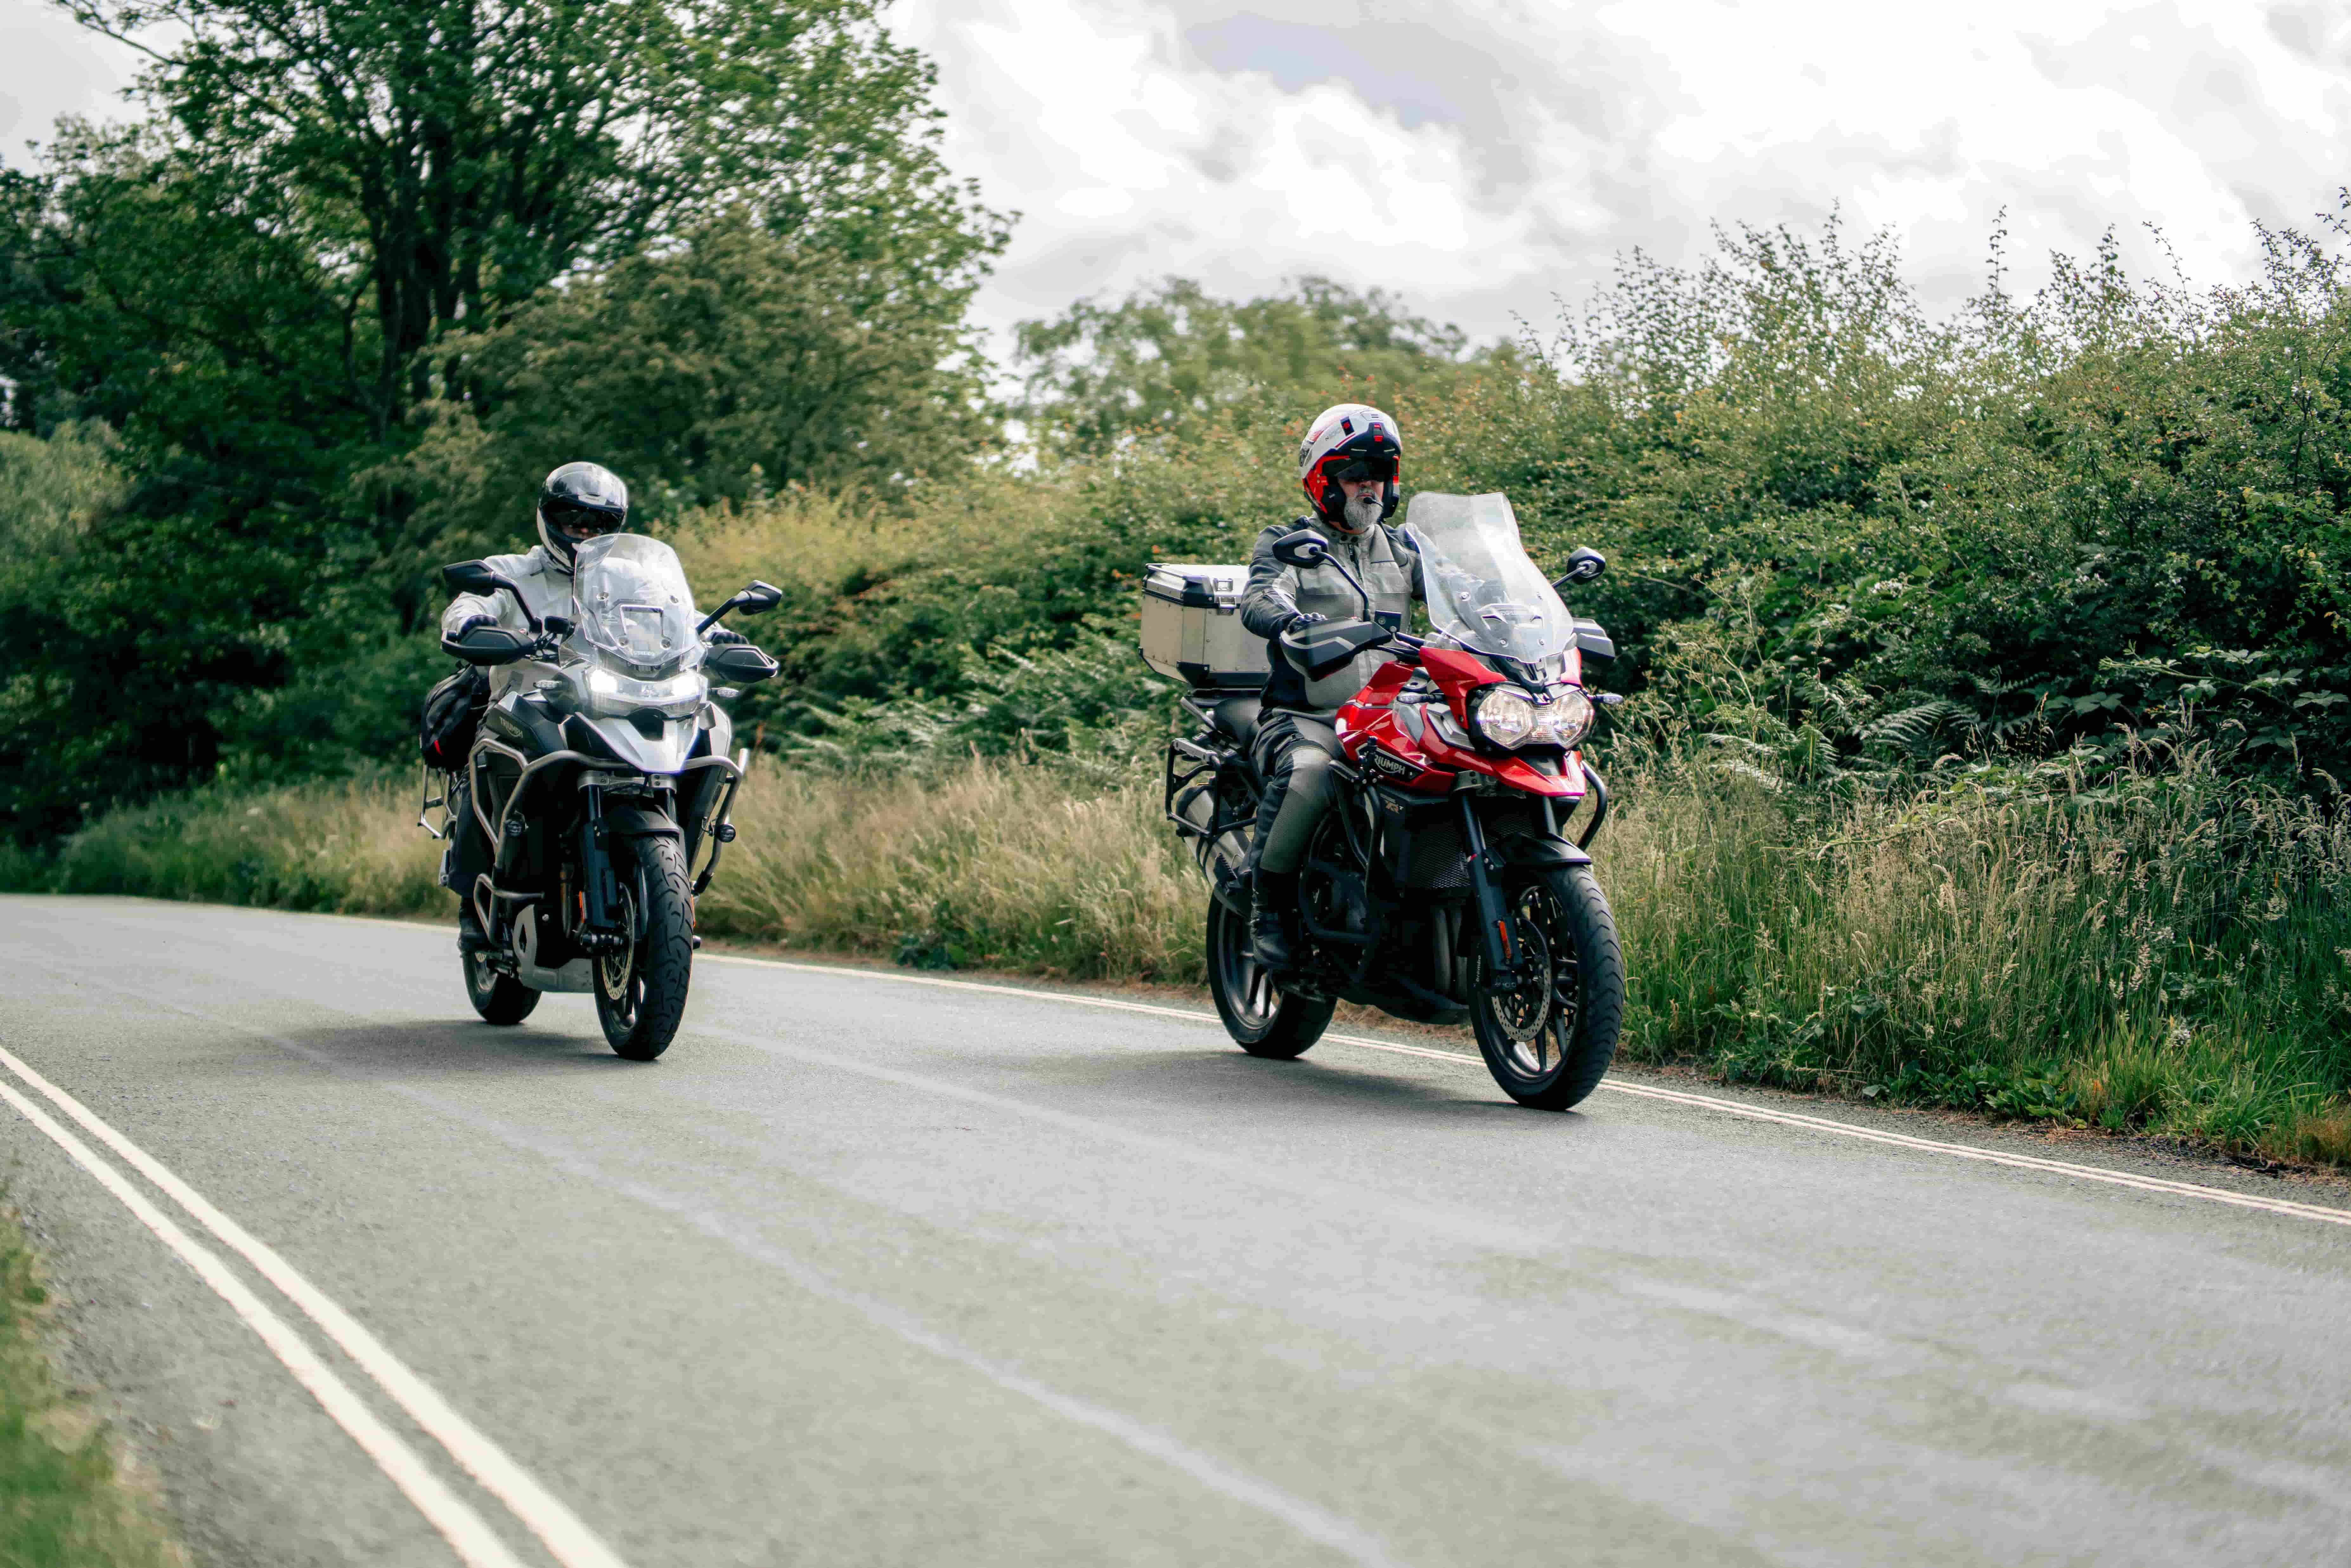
[
  {"x": 1823, "y": 1125},
  {"x": 569, "y": 1541}
]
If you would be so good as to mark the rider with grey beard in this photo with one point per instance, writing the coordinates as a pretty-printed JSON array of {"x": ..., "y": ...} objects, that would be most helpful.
[{"x": 1348, "y": 466}]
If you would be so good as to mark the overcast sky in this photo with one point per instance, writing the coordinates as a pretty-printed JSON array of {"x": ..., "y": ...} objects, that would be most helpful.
[{"x": 1482, "y": 156}]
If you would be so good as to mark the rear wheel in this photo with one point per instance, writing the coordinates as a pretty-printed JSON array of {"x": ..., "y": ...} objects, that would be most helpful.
[
  {"x": 1262, "y": 1019},
  {"x": 1549, "y": 1038},
  {"x": 499, "y": 998},
  {"x": 641, "y": 988}
]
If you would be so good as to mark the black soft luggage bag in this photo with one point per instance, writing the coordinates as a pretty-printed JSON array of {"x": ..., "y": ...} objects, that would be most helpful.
[{"x": 453, "y": 712}]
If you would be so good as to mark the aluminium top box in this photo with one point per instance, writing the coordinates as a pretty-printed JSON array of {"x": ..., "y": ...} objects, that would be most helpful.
[{"x": 1192, "y": 627}]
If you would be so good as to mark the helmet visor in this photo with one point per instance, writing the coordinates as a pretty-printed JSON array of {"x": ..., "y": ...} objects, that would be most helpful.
[
  {"x": 1378, "y": 465},
  {"x": 574, "y": 521}
]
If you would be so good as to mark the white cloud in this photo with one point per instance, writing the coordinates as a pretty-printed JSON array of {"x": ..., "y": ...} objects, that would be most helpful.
[
  {"x": 1482, "y": 156},
  {"x": 50, "y": 67}
]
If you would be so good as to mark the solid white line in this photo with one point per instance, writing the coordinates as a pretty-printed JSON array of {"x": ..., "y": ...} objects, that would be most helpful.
[
  {"x": 466, "y": 1533},
  {"x": 571, "y": 1542},
  {"x": 1824, "y": 1124}
]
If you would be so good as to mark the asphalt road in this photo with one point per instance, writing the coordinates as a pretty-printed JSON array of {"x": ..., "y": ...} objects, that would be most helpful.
[{"x": 866, "y": 1273}]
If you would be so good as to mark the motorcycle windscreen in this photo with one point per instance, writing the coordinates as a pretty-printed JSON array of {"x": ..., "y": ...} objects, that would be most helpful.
[
  {"x": 632, "y": 604},
  {"x": 1483, "y": 591}
]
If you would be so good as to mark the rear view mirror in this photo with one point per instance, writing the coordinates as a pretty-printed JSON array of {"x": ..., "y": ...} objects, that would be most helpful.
[
  {"x": 757, "y": 597},
  {"x": 471, "y": 577},
  {"x": 479, "y": 577},
  {"x": 1304, "y": 547},
  {"x": 1583, "y": 565}
]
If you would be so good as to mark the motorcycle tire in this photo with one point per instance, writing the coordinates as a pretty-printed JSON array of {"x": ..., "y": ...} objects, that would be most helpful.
[
  {"x": 499, "y": 998},
  {"x": 1262, "y": 1019},
  {"x": 1549, "y": 1040},
  {"x": 641, "y": 989}
]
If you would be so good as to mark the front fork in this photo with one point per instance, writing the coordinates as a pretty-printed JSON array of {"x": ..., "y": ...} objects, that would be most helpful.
[
  {"x": 1486, "y": 897},
  {"x": 600, "y": 883}
]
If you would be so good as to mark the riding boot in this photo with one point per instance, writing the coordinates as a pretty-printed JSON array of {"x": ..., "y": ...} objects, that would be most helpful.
[{"x": 1273, "y": 929}]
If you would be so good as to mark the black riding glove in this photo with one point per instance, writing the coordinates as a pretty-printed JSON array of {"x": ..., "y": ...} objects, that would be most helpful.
[
  {"x": 720, "y": 636},
  {"x": 470, "y": 622},
  {"x": 1302, "y": 620}
]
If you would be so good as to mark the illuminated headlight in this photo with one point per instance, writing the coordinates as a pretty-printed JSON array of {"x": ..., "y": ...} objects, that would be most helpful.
[
  {"x": 610, "y": 693},
  {"x": 1504, "y": 716}
]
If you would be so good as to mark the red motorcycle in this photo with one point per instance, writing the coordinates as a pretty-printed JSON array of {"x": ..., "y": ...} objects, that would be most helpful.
[{"x": 1442, "y": 883}]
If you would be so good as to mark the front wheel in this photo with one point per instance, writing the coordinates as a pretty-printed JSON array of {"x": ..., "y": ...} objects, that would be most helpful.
[
  {"x": 640, "y": 988},
  {"x": 1548, "y": 1038},
  {"x": 1262, "y": 1019}
]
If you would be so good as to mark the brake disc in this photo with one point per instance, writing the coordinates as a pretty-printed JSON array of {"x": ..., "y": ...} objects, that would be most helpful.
[{"x": 1522, "y": 1013}]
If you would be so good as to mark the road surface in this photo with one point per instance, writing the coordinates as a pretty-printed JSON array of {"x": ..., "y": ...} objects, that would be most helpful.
[{"x": 867, "y": 1271}]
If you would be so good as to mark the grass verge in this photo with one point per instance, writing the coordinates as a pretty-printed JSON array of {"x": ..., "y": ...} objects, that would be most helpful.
[
  {"x": 62, "y": 1504},
  {"x": 2158, "y": 956}
]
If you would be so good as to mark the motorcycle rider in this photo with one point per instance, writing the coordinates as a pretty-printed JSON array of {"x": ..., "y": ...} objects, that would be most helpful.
[
  {"x": 577, "y": 502},
  {"x": 1348, "y": 466}
]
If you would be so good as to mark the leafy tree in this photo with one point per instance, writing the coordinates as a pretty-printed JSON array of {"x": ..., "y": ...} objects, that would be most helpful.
[
  {"x": 1165, "y": 359},
  {"x": 736, "y": 364},
  {"x": 294, "y": 267}
]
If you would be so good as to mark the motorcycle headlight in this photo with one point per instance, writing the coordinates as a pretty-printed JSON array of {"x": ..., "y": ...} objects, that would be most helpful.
[
  {"x": 1504, "y": 716},
  {"x": 1568, "y": 717},
  {"x": 611, "y": 693}
]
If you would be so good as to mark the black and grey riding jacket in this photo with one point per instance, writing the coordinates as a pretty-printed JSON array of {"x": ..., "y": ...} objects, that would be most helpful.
[{"x": 1383, "y": 560}]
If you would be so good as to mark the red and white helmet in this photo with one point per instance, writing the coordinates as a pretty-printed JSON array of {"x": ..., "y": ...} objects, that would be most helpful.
[{"x": 1351, "y": 440}]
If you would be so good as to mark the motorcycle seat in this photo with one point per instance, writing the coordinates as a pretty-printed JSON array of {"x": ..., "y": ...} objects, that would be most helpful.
[{"x": 1236, "y": 717}]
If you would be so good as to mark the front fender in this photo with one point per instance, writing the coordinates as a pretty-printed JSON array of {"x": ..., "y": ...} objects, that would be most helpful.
[
  {"x": 628, "y": 819},
  {"x": 1542, "y": 852}
]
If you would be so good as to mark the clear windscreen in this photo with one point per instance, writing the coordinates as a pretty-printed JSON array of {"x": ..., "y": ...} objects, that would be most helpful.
[
  {"x": 1483, "y": 591},
  {"x": 632, "y": 604}
]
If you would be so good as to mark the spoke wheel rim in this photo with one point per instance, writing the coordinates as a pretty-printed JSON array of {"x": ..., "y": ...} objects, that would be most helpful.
[
  {"x": 1248, "y": 985},
  {"x": 1537, "y": 1019}
]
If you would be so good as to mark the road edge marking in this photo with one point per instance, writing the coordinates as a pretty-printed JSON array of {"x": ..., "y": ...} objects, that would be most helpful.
[
  {"x": 2285, "y": 1208},
  {"x": 467, "y": 1533},
  {"x": 561, "y": 1530}
]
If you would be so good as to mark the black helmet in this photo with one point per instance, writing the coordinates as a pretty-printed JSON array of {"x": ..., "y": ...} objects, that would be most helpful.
[{"x": 578, "y": 501}]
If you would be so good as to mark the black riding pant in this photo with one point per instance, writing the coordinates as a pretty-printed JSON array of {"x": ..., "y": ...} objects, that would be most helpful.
[
  {"x": 468, "y": 855},
  {"x": 1292, "y": 754}
]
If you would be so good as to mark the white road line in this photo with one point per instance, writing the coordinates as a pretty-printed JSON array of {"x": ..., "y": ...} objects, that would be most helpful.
[
  {"x": 571, "y": 1542},
  {"x": 1824, "y": 1124},
  {"x": 475, "y": 1544}
]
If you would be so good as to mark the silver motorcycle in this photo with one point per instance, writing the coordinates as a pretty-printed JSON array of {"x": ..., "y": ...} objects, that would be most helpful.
[{"x": 599, "y": 770}]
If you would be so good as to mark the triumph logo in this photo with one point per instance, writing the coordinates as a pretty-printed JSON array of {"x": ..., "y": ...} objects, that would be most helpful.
[{"x": 1385, "y": 761}]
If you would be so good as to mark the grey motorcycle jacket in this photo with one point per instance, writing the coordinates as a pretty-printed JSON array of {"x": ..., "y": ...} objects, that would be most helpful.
[
  {"x": 1383, "y": 560},
  {"x": 545, "y": 582}
]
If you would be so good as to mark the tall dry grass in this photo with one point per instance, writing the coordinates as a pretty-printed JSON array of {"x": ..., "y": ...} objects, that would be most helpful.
[
  {"x": 2158, "y": 956},
  {"x": 2161, "y": 955},
  {"x": 1003, "y": 866}
]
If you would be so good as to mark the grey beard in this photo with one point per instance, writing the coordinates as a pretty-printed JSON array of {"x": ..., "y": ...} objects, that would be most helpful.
[{"x": 1361, "y": 514}]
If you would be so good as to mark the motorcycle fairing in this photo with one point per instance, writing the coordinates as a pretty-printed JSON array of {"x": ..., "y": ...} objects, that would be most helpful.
[{"x": 625, "y": 744}]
